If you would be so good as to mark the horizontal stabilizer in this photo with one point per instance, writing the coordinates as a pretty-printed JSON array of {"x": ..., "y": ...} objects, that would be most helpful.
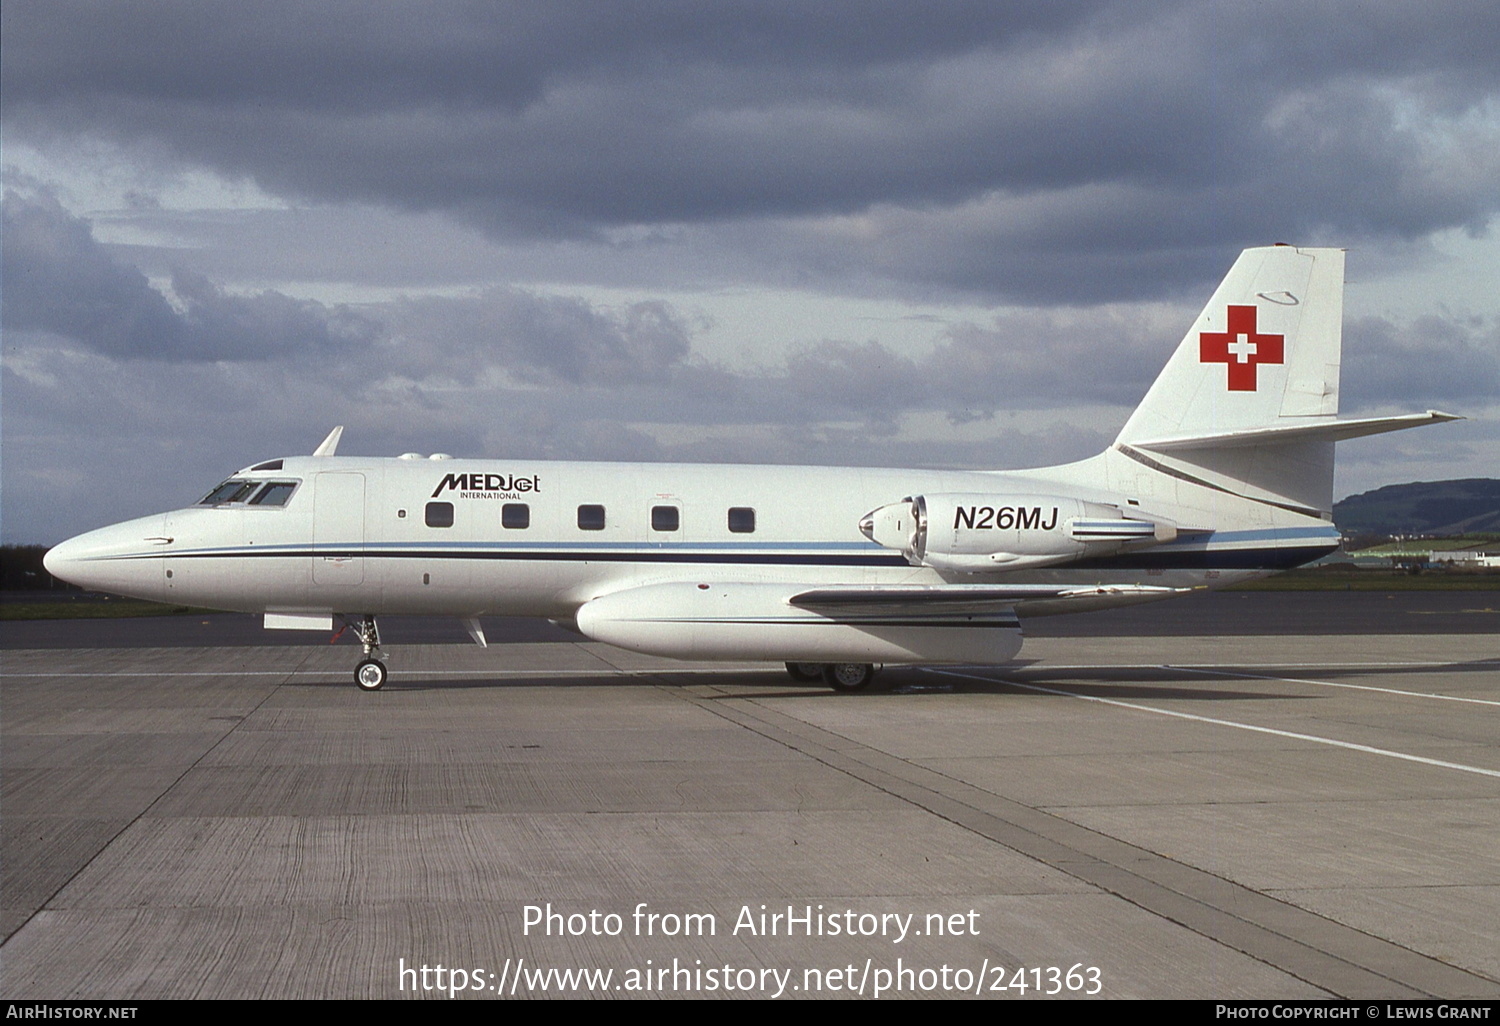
[{"x": 1326, "y": 431}]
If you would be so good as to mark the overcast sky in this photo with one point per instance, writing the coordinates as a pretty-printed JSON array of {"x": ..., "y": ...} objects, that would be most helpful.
[{"x": 902, "y": 234}]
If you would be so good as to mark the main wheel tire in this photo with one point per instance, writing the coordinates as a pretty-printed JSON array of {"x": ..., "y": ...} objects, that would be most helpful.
[
  {"x": 370, "y": 675},
  {"x": 848, "y": 676},
  {"x": 805, "y": 671}
]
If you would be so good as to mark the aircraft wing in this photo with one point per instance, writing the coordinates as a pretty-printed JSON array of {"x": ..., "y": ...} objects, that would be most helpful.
[
  {"x": 761, "y": 621},
  {"x": 958, "y": 598}
]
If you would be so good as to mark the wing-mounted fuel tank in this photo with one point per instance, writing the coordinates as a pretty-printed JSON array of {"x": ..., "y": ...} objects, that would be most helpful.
[{"x": 979, "y": 533}]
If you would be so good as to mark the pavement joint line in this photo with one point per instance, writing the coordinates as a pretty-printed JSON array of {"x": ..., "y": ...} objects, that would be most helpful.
[
  {"x": 420, "y": 674},
  {"x": 45, "y": 904},
  {"x": 1332, "y": 684},
  {"x": 1334, "y": 742},
  {"x": 1245, "y": 664},
  {"x": 1190, "y": 897}
]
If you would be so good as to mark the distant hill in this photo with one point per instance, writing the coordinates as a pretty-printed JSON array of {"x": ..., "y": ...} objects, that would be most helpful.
[{"x": 1423, "y": 507}]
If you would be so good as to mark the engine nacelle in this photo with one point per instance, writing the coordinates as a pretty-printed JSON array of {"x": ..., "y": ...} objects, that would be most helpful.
[{"x": 979, "y": 533}]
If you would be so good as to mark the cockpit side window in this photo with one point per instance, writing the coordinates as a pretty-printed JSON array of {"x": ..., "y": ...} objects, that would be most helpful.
[
  {"x": 233, "y": 490},
  {"x": 274, "y": 494}
]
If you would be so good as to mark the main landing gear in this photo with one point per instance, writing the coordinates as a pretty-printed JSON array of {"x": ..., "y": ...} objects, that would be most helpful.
[
  {"x": 839, "y": 676},
  {"x": 370, "y": 674}
]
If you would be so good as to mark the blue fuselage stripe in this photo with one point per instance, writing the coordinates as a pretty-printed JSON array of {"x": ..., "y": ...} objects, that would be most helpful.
[{"x": 1164, "y": 558}]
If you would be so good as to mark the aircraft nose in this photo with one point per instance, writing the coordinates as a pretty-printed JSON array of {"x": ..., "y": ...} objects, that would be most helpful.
[
  {"x": 59, "y": 558},
  {"x": 124, "y": 559}
]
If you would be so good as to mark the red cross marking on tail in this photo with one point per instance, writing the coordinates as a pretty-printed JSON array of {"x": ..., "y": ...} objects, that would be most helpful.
[{"x": 1242, "y": 348}]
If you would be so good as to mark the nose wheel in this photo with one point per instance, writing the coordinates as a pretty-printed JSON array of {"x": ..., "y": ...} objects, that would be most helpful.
[{"x": 371, "y": 673}]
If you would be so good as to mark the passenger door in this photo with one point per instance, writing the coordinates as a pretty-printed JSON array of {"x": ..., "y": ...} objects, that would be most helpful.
[{"x": 338, "y": 530}]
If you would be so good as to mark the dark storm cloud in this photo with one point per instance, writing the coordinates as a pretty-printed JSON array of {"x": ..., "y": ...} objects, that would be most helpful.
[
  {"x": 358, "y": 55},
  {"x": 565, "y": 114},
  {"x": 1084, "y": 150},
  {"x": 540, "y": 339},
  {"x": 1027, "y": 358},
  {"x": 1432, "y": 359},
  {"x": 58, "y": 279}
]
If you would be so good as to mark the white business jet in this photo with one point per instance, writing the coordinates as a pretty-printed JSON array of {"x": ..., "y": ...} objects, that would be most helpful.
[{"x": 1223, "y": 473}]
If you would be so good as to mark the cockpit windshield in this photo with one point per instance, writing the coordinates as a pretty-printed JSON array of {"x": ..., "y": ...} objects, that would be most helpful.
[
  {"x": 255, "y": 493},
  {"x": 229, "y": 491}
]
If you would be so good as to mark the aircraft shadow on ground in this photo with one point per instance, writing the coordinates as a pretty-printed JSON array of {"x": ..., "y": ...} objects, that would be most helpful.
[
  {"x": 1122, "y": 682},
  {"x": 905, "y": 686}
]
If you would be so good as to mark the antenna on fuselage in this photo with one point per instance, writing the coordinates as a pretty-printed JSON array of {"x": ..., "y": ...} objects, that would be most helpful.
[{"x": 331, "y": 443}]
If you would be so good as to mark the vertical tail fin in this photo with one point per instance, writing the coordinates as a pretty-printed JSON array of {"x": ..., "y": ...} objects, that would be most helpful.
[
  {"x": 1261, "y": 360},
  {"x": 1247, "y": 404},
  {"x": 1264, "y": 351}
]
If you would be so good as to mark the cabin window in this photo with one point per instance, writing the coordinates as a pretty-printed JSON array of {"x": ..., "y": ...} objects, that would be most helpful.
[
  {"x": 591, "y": 518},
  {"x": 664, "y": 518},
  {"x": 440, "y": 514},
  {"x": 741, "y": 520},
  {"x": 515, "y": 516},
  {"x": 274, "y": 494}
]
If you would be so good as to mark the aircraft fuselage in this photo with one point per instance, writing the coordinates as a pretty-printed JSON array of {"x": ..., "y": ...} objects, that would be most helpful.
[{"x": 484, "y": 537}]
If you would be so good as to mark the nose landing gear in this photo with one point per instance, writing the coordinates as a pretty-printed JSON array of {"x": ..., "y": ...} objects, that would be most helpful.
[{"x": 370, "y": 674}]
